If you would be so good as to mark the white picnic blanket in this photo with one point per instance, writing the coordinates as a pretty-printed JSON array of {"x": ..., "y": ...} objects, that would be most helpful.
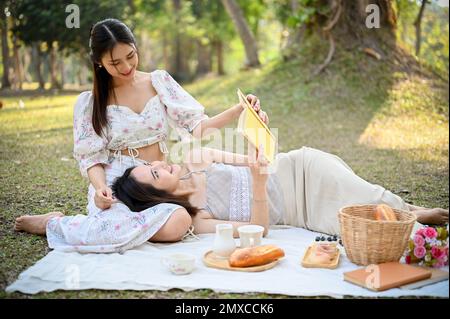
[{"x": 141, "y": 269}]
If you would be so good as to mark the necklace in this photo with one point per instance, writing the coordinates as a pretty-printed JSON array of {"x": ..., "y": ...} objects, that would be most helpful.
[{"x": 188, "y": 175}]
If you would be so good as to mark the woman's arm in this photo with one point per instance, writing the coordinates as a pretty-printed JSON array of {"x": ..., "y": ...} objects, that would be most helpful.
[
  {"x": 222, "y": 119},
  {"x": 203, "y": 223},
  {"x": 212, "y": 155},
  {"x": 103, "y": 194},
  {"x": 97, "y": 176},
  {"x": 218, "y": 121},
  {"x": 260, "y": 206}
]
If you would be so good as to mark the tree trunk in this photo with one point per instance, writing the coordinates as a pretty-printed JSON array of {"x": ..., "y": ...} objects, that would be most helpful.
[
  {"x": 26, "y": 65},
  {"x": 79, "y": 75},
  {"x": 53, "y": 67},
  {"x": 166, "y": 58},
  {"x": 246, "y": 35},
  {"x": 203, "y": 58},
  {"x": 291, "y": 46},
  {"x": 18, "y": 69},
  {"x": 37, "y": 54},
  {"x": 180, "y": 72},
  {"x": 62, "y": 72},
  {"x": 219, "y": 51},
  {"x": 351, "y": 29},
  {"x": 6, "y": 84},
  {"x": 177, "y": 64},
  {"x": 83, "y": 72},
  {"x": 417, "y": 25},
  {"x": 354, "y": 25},
  {"x": 293, "y": 43},
  {"x": 132, "y": 6}
]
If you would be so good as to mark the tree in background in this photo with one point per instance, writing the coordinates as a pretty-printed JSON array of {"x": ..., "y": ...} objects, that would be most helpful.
[
  {"x": 247, "y": 37},
  {"x": 6, "y": 84},
  {"x": 417, "y": 25},
  {"x": 191, "y": 38},
  {"x": 295, "y": 16},
  {"x": 339, "y": 21},
  {"x": 42, "y": 26},
  {"x": 213, "y": 29},
  {"x": 170, "y": 24},
  {"x": 433, "y": 32}
]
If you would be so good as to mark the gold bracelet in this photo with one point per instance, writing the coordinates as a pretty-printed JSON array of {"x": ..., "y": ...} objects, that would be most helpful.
[{"x": 260, "y": 200}]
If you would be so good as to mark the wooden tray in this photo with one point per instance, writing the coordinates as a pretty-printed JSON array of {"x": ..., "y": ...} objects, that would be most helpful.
[
  {"x": 211, "y": 260},
  {"x": 334, "y": 263}
]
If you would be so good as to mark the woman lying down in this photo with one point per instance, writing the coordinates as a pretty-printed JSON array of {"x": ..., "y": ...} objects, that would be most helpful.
[{"x": 306, "y": 189}]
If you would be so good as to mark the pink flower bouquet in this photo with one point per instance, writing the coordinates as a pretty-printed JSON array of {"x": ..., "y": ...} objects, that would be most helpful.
[{"x": 428, "y": 247}]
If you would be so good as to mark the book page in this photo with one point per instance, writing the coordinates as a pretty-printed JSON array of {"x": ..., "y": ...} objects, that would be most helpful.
[{"x": 255, "y": 130}]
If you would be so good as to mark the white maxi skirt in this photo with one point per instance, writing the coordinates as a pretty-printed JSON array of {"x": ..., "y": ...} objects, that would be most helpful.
[{"x": 317, "y": 184}]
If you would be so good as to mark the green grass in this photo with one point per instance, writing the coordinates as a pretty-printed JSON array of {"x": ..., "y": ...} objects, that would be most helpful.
[{"x": 390, "y": 126}]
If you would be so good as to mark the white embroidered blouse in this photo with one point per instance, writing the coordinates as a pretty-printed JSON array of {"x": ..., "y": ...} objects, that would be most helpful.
[{"x": 128, "y": 129}]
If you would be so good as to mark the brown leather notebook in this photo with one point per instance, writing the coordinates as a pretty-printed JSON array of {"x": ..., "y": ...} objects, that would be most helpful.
[{"x": 386, "y": 276}]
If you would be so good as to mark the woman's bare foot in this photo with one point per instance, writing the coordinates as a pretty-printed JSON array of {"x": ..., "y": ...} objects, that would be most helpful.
[
  {"x": 35, "y": 224},
  {"x": 431, "y": 216}
]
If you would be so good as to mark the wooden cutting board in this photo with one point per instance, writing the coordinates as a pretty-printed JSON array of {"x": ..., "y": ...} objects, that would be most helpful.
[
  {"x": 308, "y": 264},
  {"x": 213, "y": 261}
]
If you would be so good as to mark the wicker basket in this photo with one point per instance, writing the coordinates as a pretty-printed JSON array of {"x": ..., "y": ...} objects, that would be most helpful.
[{"x": 368, "y": 241}]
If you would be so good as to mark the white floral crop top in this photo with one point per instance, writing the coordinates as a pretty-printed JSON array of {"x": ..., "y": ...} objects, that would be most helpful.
[{"x": 127, "y": 129}]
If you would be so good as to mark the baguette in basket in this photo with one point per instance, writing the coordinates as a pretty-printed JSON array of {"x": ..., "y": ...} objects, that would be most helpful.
[
  {"x": 384, "y": 212},
  {"x": 255, "y": 256}
]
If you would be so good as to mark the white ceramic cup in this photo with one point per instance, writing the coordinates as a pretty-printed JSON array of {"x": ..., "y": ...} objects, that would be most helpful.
[
  {"x": 179, "y": 264},
  {"x": 250, "y": 235}
]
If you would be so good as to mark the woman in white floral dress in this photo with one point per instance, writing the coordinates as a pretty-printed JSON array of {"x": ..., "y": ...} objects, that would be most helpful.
[{"x": 123, "y": 122}]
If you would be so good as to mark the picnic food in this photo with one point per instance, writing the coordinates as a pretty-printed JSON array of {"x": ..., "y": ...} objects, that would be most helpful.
[
  {"x": 323, "y": 253},
  {"x": 255, "y": 256},
  {"x": 329, "y": 238},
  {"x": 384, "y": 212}
]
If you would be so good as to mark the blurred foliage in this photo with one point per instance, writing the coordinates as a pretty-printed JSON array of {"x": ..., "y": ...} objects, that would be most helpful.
[
  {"x": 157, "y": 25},
  {"x": 306, "y": 13},
  {"x": 435, "y": 32},
  {"x": 45, "y": 21}
]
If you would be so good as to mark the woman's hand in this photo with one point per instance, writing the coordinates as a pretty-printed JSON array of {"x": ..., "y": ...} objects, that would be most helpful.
[
  {"x": 103, "y": 198},
  {"x": 258, "y": 165},
  {"x": 254, "y": 102}
]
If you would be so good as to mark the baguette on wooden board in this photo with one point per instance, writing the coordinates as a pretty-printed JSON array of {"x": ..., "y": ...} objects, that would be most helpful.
[
  {"x": 255, "y": 256},
  {"x": 384, "y": 212}
]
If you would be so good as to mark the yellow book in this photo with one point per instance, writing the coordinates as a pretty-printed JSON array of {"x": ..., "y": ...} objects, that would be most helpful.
[{"x": 255, "y": 130}]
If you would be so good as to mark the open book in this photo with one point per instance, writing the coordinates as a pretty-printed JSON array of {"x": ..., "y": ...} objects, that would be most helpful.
[{"x": 255, "y": 130}]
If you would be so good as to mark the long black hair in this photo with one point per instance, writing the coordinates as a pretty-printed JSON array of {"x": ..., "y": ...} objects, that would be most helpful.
[
  {"x": 138, "y": 196},
  {"x": 104, "y": 35}
]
